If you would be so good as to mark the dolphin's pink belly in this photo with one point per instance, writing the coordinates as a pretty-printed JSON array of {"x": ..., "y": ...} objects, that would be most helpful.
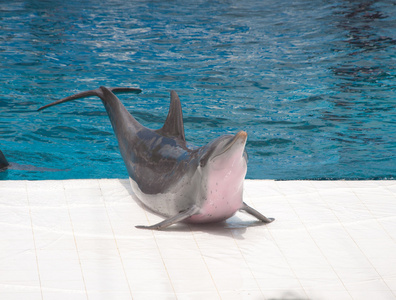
[
  {"x": 224, "y": 191},
  {"x": 216, "y": 210}
]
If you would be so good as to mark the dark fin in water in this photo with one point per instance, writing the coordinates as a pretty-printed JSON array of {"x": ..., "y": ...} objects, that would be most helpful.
[
  {"x": 258, "y": 215},
  {"x": 174, "y": 126},
  {"x": 3, "y": 161},
  {"x": 91, "y": 93},
  {"x": 172, "y": 220}
]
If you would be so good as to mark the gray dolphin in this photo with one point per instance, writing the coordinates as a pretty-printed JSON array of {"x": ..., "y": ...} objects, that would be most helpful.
[
  {"x": 169, "y": 178},
  {"x": 3, "y": 162},
  {"x": 5, "y": 165}
]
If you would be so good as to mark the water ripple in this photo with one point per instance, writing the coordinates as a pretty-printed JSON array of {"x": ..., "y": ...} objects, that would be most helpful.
[{"x": 312, "y": 82}]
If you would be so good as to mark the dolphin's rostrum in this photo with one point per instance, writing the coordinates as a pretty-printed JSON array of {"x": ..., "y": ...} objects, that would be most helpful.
[{"x": 198, "y": 185}]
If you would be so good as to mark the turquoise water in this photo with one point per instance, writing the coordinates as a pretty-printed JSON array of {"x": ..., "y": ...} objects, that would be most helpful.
[{"x": 312, "y": 82}]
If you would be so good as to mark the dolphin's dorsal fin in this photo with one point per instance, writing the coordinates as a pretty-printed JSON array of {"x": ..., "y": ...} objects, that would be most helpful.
[
  {"x": 173, "y": 126},
  {"x": 3, "y": 161}
]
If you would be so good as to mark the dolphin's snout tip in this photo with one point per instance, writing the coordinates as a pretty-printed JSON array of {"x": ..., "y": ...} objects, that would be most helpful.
[{"x": 241, "y": 134}]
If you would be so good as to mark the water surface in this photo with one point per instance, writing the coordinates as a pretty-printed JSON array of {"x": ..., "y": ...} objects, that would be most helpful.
[{"x": 312, "y": 82}]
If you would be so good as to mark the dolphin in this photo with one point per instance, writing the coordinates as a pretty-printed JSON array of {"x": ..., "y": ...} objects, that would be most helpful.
[
  {"x": 171, "y": 179},
  {"x": 5, "y": 165}
]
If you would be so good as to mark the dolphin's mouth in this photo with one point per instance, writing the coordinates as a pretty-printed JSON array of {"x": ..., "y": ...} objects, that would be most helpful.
[{"x": 241, "y": 136}]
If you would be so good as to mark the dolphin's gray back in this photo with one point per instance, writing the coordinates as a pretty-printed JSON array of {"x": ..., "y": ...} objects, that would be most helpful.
[{"x": 155, "y": 159}]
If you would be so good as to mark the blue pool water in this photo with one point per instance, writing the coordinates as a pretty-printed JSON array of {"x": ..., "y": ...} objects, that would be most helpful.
[{"x": 312, "y": 82}]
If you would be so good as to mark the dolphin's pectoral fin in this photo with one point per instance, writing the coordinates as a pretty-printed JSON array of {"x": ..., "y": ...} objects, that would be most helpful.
[
  {"x": 253, "y": 212},
  {"x": 172, "y": 220}
]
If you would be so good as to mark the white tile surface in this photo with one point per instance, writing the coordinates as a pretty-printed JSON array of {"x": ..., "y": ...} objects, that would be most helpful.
[{"x": 76, "y": 239}]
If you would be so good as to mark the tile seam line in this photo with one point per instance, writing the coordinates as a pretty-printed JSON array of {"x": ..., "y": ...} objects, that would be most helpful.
[
  {"x": 375, "y": 218},
  {"x": 115, "y": 240},
  {"x": 283, "y": 254},
  {"x": 391, "y": 191},
  {"x": 288, "y": 263},
  {"x": 240, "y": 250},
  {"x": 75, "y": 241},
  {"x": 159, "y": 251},
  {"x": 285, "y": 257},
  {"x": 34, "y": 239},
  {"x": 250, "y": 269},
  {"x": 350, "y": 236},
  {"x": 204, "y": 261},
  {"x": 164, "y": 264},
  {"x": 320, "y": 250}
]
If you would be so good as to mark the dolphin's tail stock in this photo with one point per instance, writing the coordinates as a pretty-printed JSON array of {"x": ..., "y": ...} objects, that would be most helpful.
[{"x": 90, "y": 93}]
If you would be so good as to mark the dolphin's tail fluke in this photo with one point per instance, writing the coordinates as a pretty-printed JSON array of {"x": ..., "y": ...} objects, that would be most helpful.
[
  {"x": 70, "y": 98},
  {"x": 92, "y": 93}
]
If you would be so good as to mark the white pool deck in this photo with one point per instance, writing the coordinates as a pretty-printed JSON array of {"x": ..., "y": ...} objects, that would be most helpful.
[{"x": 76, "y": 239}]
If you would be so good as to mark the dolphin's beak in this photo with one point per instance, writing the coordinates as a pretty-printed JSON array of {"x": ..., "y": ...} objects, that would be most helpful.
[
  {"x": 224, "y": 148},
  {"x": 234, "y": 146}
]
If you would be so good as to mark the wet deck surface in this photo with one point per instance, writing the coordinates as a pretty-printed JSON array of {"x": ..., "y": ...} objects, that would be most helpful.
[{"x": 76, "y": 239}]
